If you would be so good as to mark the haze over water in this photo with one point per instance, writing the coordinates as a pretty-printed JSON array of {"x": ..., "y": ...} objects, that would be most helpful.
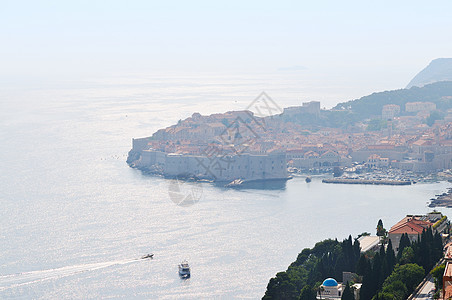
[{"x": 74, "y": 217}]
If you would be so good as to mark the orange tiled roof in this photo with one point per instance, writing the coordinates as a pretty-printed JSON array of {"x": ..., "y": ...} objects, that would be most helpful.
[{"x": 410, "y": 225}]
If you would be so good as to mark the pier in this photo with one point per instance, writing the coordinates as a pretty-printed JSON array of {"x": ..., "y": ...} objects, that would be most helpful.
[{"x": 366, "y": 181}]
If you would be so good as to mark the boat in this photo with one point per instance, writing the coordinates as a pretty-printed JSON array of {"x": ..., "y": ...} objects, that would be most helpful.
[
  {"x": 308, "y": 179},
  {"x": 234, "y": 183},
  {"x": 149, "y": 255},
  {"x": 184, "y": 269}
]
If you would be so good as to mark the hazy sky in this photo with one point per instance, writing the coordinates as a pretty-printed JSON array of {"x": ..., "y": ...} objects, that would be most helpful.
[{"x": 367, "y": 40}]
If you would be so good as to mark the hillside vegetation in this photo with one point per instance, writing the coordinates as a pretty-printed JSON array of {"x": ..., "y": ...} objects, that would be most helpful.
[{"x": 439, "y": 93}]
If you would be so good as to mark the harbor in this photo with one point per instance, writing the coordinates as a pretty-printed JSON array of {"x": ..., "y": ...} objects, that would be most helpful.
[{"x": 367, "y": 181}]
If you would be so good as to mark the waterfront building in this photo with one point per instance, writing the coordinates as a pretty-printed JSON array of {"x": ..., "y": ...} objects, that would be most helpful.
[
  {"x": 215, "y": 165},
  {"x": 376, "y": 161}
]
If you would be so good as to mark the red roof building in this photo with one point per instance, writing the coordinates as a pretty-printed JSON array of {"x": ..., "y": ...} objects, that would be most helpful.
[{"x": 411, "y": 225}]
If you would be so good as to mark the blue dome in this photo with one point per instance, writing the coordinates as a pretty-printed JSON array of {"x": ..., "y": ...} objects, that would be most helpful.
[{"x": 329, "y": 282}]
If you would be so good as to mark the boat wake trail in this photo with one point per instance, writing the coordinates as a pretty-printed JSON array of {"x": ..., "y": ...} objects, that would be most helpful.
[{"x": 19, "y": 279}]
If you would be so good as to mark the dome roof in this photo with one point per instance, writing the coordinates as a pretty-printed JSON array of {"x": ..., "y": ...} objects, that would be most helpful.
[{"x": 330, "y": 282}]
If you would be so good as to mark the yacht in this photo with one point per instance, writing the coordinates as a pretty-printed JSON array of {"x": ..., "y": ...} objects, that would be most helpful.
[{"x": 184, "y": 269}]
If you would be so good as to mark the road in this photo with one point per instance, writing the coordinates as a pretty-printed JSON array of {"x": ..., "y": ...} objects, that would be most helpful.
[{"x": 423, "y": 293}]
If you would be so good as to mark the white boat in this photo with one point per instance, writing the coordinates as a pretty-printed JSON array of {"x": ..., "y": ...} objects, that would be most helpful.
[
  {"x": 234, "y": 183},
  {"x": 184, "y": 269}
]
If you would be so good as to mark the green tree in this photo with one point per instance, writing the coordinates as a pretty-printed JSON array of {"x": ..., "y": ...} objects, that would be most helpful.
[
  {"x": 307, "y": 293},
  {"x": 356, "y": 251},
  {"x": 409, "y": 274},
  {"x": 280, "y": 287},
  {"x": 367, "y": 289},
  {"x": 407, "y": 256},
  {"x": 437, "y": 247},
  {"x": 437, "y": 273},
  {"x": 396, "y": 288},
  {"x": 390, "y": 256},
  {"x": 384, "y": 296},
  {"x": 425, "y": 258},
  {"x": 434, "y": 115},
  {"x": 377, "y": 124},
  {"x": 381, "y": 231},
  {"x": 348, "y": 293},
  {"x": 404, "y": 242},
  {"x": 377, "y": 273},
  {"x": 361, "y": 266}
]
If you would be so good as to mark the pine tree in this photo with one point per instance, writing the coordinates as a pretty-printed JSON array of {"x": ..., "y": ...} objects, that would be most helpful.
[{"x": 307, "y": 293}]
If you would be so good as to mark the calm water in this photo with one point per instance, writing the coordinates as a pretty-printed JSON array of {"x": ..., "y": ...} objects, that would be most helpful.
[{"x": 74, "y": 217}]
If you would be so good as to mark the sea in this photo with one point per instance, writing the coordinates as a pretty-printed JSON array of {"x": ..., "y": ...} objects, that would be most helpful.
[{"x": 75, "y": 219}]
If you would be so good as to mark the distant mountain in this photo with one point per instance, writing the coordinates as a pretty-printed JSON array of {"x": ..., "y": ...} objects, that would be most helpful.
[
  {"x": 439, "y": 93},
  {"x": 439, "y": 69}
]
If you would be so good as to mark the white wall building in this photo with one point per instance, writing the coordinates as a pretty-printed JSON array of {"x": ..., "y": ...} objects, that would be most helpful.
[{"x": 390, "y": 111}]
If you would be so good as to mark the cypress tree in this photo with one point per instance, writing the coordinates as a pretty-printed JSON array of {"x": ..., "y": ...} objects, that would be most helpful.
[
  {"x": 437, "y": 246},
  {"x": 382, "y": 251},
  {"x": 367, "y": 288},
  {"x": 404, "y": 242},
  {"x": 340, "y": 266},
  {"x": 361, "y": 266},
  {"x": 424, "y": 251},
  {"x": 380, "y": 229},
  {"x": 377, "y": 273},
  {"x": 390, "y": 256},
  {"x": 356, "y": 251},
  {"x": 348, "y": 293}
]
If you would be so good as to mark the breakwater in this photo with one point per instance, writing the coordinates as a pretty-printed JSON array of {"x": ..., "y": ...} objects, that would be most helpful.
[{"x": 366, "y": 181}]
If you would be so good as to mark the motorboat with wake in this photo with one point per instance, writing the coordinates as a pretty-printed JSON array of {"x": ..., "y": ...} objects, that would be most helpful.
[{"x": 149, "y": 255}]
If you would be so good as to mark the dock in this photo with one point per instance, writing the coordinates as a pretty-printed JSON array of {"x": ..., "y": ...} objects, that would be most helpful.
[{"x": 366, "y": 181}]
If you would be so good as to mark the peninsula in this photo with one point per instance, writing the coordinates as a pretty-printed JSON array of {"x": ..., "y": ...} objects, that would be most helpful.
[{"x": 409, "y": 130}]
